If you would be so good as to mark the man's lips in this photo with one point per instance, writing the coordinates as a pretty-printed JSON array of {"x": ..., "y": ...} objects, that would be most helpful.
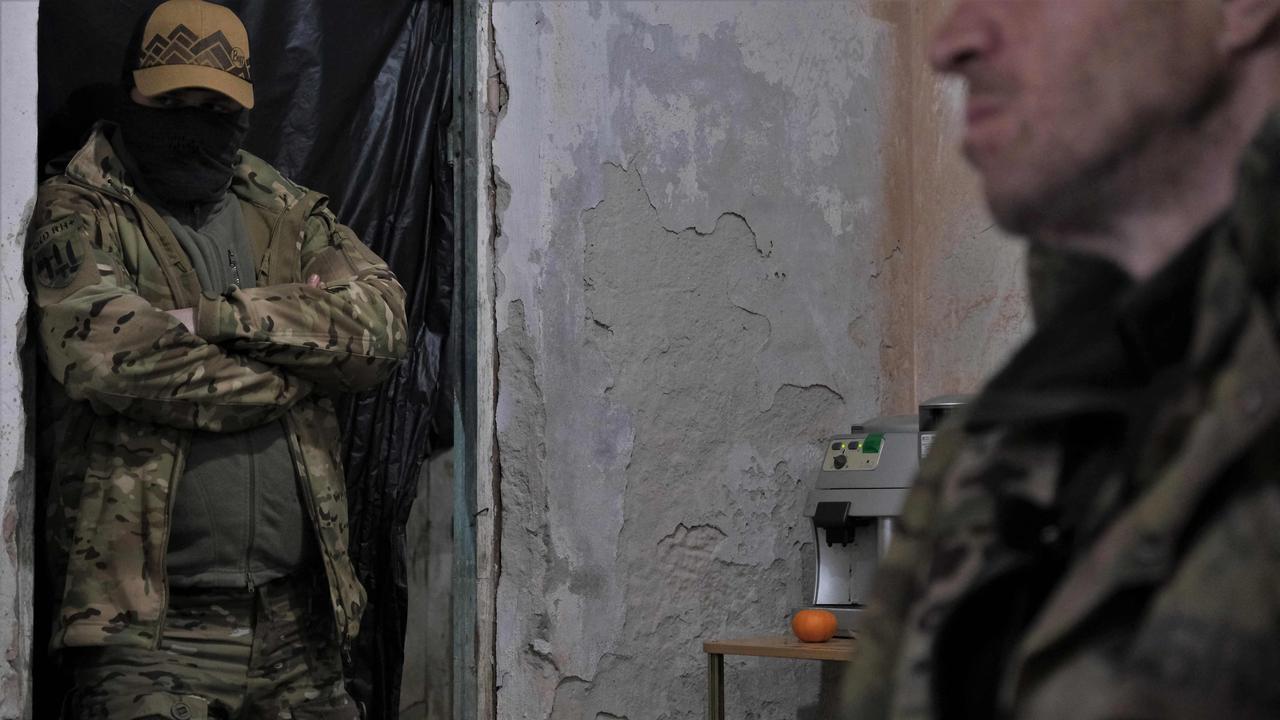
[
  {"x": 985, "y": 131},
  {"x": 979, "y": 110}
]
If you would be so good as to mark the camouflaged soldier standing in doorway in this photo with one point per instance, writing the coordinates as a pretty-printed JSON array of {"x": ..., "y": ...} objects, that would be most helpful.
[
  {"x": 197, "y": 311},
  {"x": 1098, "y": 537}
]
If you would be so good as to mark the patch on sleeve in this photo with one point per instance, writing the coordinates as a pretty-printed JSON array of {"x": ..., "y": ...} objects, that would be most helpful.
[{"x": 60, "y": 252}]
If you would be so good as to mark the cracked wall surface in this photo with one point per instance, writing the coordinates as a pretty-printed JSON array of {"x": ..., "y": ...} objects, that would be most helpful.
[
  {"x": 18, "y": 85},
  {"x": 725, "y": 231}
]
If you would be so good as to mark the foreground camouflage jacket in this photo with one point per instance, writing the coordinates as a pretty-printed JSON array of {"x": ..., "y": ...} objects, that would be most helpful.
[
  {"x": 103, "y": 269},
  {"x": 1109, "y": 548}
]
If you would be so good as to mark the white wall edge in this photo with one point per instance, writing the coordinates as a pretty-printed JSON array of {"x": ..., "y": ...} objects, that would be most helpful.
[
  {"x": 487, "y": 506},
  {"x": 18, "y": 134}
]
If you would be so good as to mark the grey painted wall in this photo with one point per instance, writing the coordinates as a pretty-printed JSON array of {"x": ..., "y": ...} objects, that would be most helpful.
[
  {"x": 18, "y": 84},
  {"x": 725, "y": 230}
]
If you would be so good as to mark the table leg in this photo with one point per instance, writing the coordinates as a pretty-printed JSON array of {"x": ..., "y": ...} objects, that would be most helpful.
[{"x": 715, "y": 686}]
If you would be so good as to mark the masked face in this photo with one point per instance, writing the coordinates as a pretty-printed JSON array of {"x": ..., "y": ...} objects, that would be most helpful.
[{"x": 185, "y": 154}]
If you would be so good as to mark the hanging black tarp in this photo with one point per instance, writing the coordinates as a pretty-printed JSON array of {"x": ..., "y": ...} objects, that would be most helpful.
[{"x": 353, "y": 100}]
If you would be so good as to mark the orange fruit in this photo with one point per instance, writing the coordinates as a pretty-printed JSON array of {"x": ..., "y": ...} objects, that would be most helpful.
[{"x": 814, "y": 625}]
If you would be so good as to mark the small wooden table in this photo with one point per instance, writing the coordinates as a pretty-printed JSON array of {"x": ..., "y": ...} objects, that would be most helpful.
[{"x": 775, "y": 646}]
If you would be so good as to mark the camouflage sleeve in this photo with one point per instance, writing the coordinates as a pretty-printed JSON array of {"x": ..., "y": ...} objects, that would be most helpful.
[
  {"x": 348, "y": 336},
  {"x": 107, "y": 345}
]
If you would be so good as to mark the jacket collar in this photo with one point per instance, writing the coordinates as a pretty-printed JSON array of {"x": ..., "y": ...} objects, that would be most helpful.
[
  {"x": 1102, "y": 346},
  {"x": 98, "y": 166}
]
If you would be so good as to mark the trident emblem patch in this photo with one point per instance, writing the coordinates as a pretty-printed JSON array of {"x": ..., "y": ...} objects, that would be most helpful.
[{"x": 60, "y": 254}]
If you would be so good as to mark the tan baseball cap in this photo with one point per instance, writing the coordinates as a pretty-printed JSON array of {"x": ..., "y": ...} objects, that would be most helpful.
[{"x": 195, "y": 44}]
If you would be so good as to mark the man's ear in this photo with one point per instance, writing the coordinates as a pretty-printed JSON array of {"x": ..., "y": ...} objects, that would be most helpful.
[{"x": 1245, "y": 22}]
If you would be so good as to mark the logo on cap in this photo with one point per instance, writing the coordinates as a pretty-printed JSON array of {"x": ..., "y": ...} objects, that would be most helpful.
[{"x": 184, "y": 47}]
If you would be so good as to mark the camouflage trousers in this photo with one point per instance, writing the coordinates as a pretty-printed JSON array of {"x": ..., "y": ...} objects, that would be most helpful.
[{"x": 267, "y": 654}]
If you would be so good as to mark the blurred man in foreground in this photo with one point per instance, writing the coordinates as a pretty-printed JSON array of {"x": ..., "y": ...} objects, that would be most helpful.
[{"x": 1099, "y": 535}]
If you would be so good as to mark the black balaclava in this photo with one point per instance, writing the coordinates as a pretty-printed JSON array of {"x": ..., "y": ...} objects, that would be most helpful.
[{"x": 185, "y": 155}]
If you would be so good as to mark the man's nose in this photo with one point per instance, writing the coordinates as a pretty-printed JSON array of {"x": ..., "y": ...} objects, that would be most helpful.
[{"x": 967, "y": 34}]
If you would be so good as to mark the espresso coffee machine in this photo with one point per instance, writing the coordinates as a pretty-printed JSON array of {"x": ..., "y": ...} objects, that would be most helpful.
[
  {"x": 864, "y": 480},
  {"x": 860, "y": 490}
]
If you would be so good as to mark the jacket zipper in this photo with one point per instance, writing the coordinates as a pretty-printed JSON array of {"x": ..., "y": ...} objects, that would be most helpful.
[
  {"x": 179, "y": 461},
  {"x": 309, "y": 500},
  {"x": 235, "y": 267},
  {"x": 253, "y": 515}
]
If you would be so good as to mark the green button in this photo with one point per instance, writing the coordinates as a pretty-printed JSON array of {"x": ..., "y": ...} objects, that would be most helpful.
[{"x": 872, "y": 444}]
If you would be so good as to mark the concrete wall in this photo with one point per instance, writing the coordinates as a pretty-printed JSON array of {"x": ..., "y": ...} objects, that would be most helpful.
[
  {"x": 17, "y": 191},
  {"x": 724, "y": 231}
]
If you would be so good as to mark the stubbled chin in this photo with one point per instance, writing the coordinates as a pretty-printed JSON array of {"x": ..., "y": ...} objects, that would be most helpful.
[
  {"x": 993, "y": 140},
  {"x": 982, "y": 148},
  {"x": 1010, "y": 207}
]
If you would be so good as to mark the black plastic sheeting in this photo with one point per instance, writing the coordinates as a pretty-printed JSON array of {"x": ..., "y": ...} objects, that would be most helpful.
[{"x": 352, "y": 99}]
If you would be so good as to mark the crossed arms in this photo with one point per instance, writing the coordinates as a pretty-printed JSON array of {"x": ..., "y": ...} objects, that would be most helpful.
[{"x": 247, "y": 357}]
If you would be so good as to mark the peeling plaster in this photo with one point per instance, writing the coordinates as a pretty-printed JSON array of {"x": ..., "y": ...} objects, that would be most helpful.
[{"x": 707, "y": 260}]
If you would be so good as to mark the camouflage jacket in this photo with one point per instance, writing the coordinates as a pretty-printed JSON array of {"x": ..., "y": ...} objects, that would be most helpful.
[
  {"x": 1075, "y": 558},
  {"x": 103, "y": 268}
]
